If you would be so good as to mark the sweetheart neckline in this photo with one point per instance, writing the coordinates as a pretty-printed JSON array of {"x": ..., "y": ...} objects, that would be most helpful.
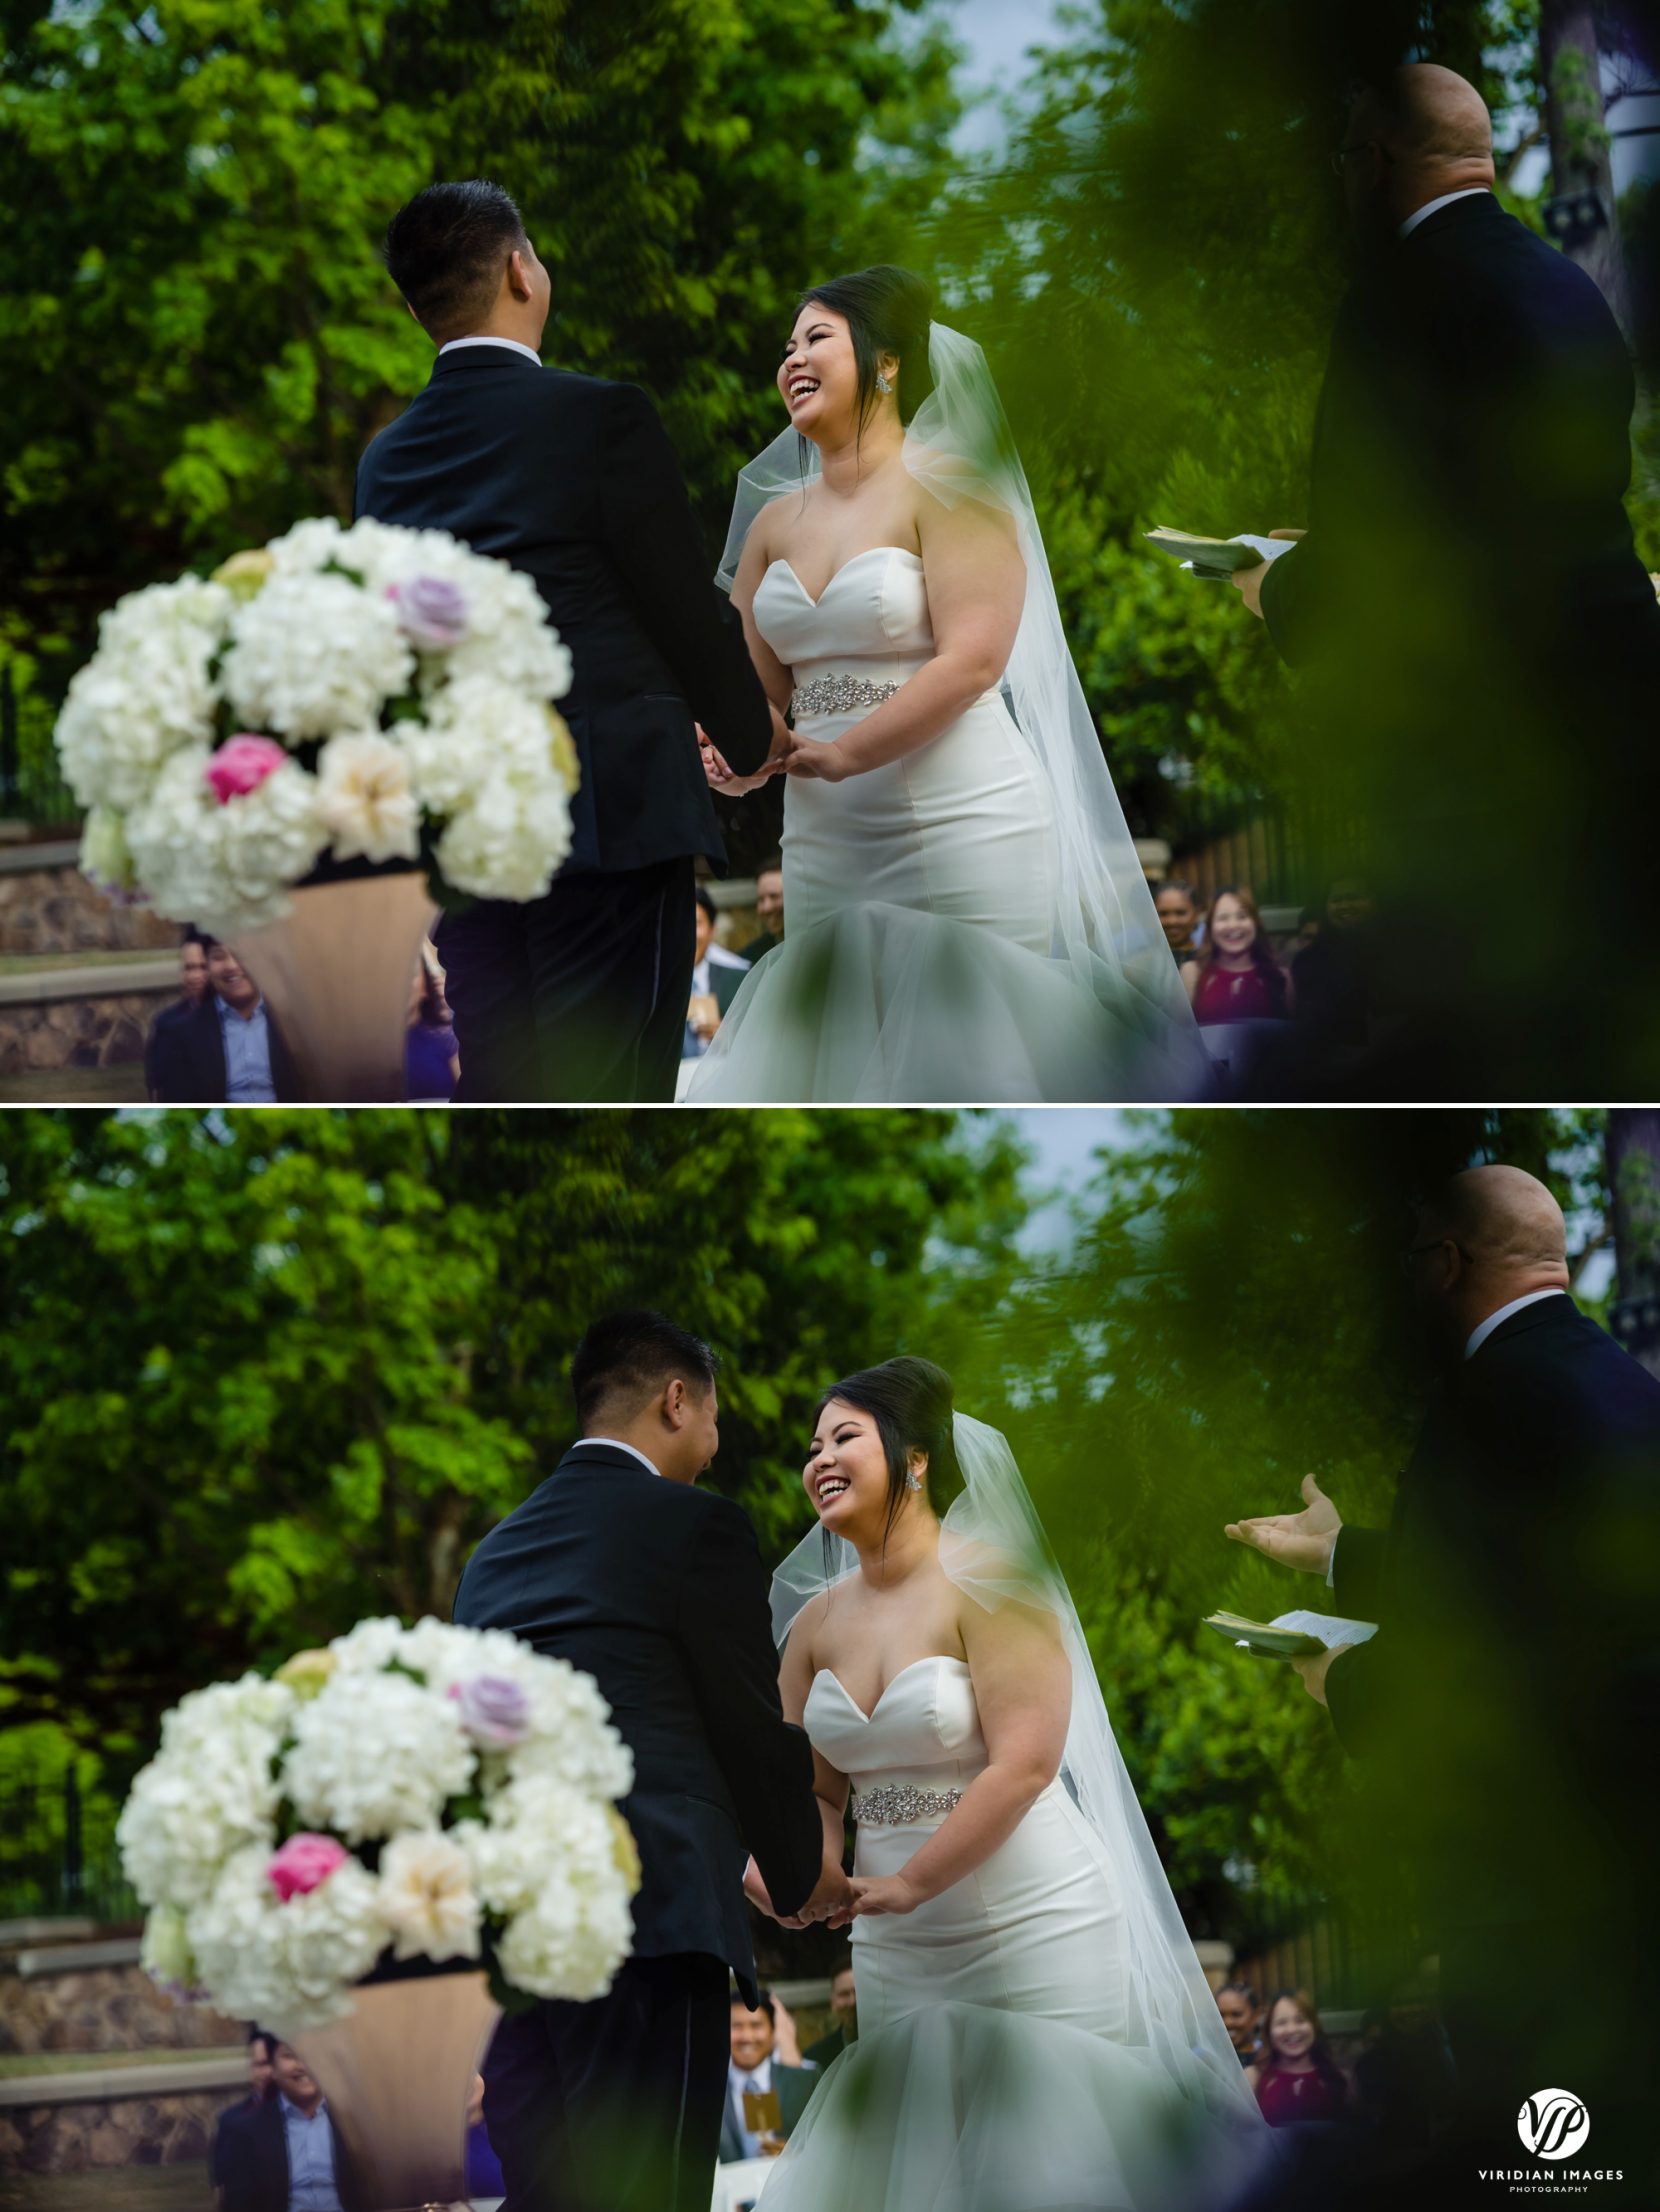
[
  {"x": 927, "y": 1660},
  {"x": 904, "y": 550}
]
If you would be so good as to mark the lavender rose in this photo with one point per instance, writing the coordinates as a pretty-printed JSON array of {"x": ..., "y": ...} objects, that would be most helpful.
[
  {"x": 494, "y": 1711},
  {"x": 431, "y": 610}
]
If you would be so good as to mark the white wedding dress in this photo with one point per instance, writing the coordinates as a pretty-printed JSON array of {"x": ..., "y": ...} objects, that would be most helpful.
[
  {"x": 1000, "y": 2065},
  {"x": 923, "y": 961}
]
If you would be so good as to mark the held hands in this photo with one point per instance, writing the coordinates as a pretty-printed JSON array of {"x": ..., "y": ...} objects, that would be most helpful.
[
  {"x": 880, "y": 1893},
  {"x": 718, "y": 773},
  {"x": 1301, "y": 1540},
  {"x": 832, "y": 1900},
  {"x": 827, "y": 763}
]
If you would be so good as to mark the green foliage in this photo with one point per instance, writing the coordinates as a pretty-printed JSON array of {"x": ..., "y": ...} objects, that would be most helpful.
[
  {"x": 269, "y": 1374},
  {"x": 197, "y": 337}
]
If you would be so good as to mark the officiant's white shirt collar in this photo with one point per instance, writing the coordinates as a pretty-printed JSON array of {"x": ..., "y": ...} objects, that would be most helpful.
[
  {"x": 1418, "y": 215},
  {"x": 1484, "y": 1329},
  {"x": 614, "y": 1443},
  {"x": 453, "y": 344}
]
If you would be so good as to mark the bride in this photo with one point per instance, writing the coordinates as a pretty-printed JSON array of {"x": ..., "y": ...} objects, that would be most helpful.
[
  {"x": 967, "y": 916},
  {"x": 1034, "y": 2027}
]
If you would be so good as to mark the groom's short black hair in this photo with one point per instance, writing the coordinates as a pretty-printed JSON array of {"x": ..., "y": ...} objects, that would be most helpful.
[
  {"x": 445, "y": 251},
  {"x": 628, "y": 1357}
]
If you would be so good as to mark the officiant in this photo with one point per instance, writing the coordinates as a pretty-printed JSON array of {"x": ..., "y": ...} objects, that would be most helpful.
[
  {"x": 1481, "y": 644},
  {"x": 1506, "y": 1716}
]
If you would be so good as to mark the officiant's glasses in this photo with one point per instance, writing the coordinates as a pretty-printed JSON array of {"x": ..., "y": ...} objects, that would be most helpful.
[{"x": 1417, "y": 1251}]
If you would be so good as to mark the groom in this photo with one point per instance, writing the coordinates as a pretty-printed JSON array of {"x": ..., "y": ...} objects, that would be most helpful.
[
  {"x": 580, "y": 995},
  {"x": 621, "y": 1565}
]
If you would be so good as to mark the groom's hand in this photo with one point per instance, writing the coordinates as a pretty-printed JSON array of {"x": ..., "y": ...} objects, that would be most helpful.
[
  {"x": 1248, "y": 581},
  {"x": 1301, "y": 1540}
]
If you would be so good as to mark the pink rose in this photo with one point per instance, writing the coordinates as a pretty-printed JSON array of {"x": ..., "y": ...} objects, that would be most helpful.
[
  {"x": 303, "y": 1864},
  {"x": 242, "y": 764},
  {"x": 494, "y": 1711}
]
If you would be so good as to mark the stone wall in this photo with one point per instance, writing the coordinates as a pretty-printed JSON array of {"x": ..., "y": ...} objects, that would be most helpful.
[
  {"x": 78, "y": 1032},
  {"x": 127, "y": 2131},
  {"x": 49, "y": 906},
  {"x": 110, "y": 2008}
]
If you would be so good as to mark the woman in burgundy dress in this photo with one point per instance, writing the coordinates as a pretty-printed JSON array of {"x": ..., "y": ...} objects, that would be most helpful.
[
  {"x": 1236, "y": 978},
  {"x": 1297, "y": 2081}
]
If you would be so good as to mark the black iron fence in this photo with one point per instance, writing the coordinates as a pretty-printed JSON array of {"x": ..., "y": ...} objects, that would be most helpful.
[
  {"x": 58, "y": 1853},
  {"x": 31, "y": 788}
]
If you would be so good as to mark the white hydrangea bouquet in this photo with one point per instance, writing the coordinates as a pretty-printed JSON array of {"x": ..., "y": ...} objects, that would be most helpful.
[
  {"x": 434, "y": 1792},
  {"x": 371, "y": 695}
]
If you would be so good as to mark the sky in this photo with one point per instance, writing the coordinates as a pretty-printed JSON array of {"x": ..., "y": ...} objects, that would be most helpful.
[{"x": 997, "y": 34}]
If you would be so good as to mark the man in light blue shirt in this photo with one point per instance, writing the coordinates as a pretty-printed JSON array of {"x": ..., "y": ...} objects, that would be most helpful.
[
  {"x": 286, "y": 2157},
  {"x": 244, "y": 1030}
]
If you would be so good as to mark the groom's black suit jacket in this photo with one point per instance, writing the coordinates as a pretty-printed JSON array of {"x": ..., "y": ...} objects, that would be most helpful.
[
  {"x": 656, "y": 1589},
  {"x": 1510, "y": 1704},
  {"x": 572, "y": 480}
]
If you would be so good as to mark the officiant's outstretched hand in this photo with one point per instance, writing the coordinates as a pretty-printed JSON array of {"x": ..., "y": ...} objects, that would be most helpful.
[{"x": 1300, "y": 1540}]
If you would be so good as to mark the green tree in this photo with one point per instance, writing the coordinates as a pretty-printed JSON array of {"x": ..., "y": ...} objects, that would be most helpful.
[
  {"x": 197, "y": 338},
  {"x": 269, "y": 1373}
]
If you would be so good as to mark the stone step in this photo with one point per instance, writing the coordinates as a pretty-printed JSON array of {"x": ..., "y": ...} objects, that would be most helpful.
[
  {"x": 48, "y": 985},
  {"x": 76, "y": 1958},
  {"x": 160, "y": 2077}
]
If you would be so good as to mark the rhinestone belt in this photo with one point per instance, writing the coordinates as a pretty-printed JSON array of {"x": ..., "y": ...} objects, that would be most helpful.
[
  {"x": 839, "y": 695},
  {"x": 892, "y": 1807}
]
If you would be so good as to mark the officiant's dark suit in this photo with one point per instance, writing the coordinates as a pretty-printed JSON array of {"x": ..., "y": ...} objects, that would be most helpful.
[
  {"x": 581, "y": 995},
  {"x": 656, "y": 1589},
  {"x": 1481, "y": 641},
  {"x": 1508, "y": 1712}
]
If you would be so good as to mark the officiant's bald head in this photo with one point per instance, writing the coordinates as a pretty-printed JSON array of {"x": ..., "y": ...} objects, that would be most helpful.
[
  {"x": 1419, "y": 132},
  {"x": 1485, "y": 1237}
]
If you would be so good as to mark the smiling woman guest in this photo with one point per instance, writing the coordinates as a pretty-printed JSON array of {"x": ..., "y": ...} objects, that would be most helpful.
[
  {"x": 1236, "y": 978},
  {"x": 1296, "y": 2080}
]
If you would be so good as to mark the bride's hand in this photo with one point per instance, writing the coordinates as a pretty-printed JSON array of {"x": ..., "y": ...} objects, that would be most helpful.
[
  {"x": 828, "y": 762},
  {"x": 880, "y": 1893}
]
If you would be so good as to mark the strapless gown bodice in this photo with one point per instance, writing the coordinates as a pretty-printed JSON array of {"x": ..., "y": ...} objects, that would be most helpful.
[{"x": 874, "y": 608}]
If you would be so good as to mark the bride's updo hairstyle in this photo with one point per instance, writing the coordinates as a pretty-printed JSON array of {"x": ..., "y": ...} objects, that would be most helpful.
[
  {"x": 888, "y": 310},
  {"x": 910, "y": 1402}
]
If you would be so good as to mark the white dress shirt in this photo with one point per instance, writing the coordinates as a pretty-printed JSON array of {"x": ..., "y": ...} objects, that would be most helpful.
[
  {"x": 617, "y": 1445},
  {"x": 1484, "y": 1329},
  {"x": 1477, "y": 1338},
  {"x": 757, "y": 2078},
  {"x": 1423, "y": 214},
  {"x": 512, "y": 344}
]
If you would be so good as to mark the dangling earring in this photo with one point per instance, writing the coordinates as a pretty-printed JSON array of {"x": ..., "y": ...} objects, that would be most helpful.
[
  {"x": 914, "y": 1480},
  {"x": 882, "y": 384}
]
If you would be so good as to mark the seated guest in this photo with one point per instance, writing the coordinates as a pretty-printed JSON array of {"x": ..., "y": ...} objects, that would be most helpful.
[
  {"x": 716, "y": 975},
  {"x": 228, "y": 1050},
  {"x": 286, "y": 2157},
  {"x": 193, "y": 983},
  {"x": 769, "y": 911},
  {"x": 431, "y": 1064},
  {"x": 845, "y": 2008},
  {"x": 1296, "y": 2078},
  {"x": 260, "y": 2046},
  {"x": 1237, "y": 2003},
  {"x": 756, "y": 2070},
  {"x": 1178, "y": 913},
  {"x": 1236, "y": 978}
]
